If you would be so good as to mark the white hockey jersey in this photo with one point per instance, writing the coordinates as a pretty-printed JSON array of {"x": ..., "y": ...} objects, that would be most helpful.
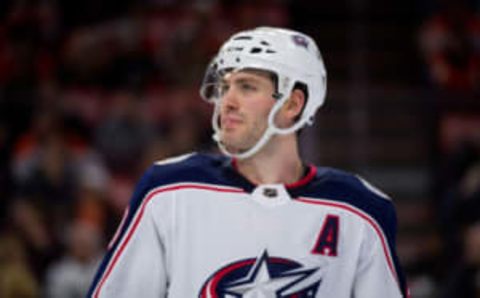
[{"x": 196, "y": 228}]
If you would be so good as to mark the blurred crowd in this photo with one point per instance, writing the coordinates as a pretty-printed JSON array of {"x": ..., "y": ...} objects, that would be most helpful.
[
  {"x": 90, "y": 95},
  {"x": 449, "y": 41}
]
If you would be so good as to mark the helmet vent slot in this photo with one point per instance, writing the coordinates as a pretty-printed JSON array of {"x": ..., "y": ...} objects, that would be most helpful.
[
  {"x": 234, "y": 49},
  {"x": 243, "y": 37},
  {"x": 256, "y": 50}
]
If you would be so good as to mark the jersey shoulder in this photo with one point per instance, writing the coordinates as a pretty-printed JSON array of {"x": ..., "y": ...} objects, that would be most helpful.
[
  {"x": 192, "y": 168},
  {"x": 352, "y": 190},
  {"x": 372, "y": 204},
  {"x": 337, "y": 184},
  {"x": 187, "y": 168}
]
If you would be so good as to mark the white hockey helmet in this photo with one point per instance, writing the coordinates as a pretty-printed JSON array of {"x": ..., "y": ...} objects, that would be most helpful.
[{"x": 292, "y": 57}]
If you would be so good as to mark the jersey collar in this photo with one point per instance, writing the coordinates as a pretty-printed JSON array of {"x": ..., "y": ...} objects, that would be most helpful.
[{"x": 309, "y": 175}]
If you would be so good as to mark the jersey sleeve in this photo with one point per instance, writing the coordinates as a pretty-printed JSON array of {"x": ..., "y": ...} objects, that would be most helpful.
[
  {"x": 134, "y": 265},
  {"x": 378, "y": 274}
]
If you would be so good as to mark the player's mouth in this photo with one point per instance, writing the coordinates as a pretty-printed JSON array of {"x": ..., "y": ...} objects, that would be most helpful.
[{"x": 231, "y": 121}]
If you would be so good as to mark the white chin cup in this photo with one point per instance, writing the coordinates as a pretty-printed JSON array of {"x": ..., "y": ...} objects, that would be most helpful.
[{"x": 271, "y": 130}]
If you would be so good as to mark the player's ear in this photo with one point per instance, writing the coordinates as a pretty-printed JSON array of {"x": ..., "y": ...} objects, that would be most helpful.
[{"x": 293, "y": 107}]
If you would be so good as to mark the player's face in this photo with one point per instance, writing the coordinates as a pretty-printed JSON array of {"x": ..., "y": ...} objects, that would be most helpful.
[{"x": 244, "y": 107}]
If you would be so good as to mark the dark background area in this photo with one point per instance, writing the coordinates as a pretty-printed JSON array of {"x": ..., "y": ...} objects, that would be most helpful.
[{"x": 93, "y": 92}]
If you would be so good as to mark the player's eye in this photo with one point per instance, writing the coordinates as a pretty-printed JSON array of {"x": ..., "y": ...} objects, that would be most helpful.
[
  {"x": 223, "y": 89},
  {"x": 246, "y": 87}
]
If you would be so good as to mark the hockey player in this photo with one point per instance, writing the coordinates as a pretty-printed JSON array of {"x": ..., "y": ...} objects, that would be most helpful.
[{"x": 256, "y": 222}]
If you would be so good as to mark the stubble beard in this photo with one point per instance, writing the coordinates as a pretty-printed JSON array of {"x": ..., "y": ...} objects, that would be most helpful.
[{"x": 244, "y": 140}]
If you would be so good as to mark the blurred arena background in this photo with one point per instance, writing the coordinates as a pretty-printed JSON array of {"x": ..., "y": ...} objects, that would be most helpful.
[{"x": 92, "y": 92}]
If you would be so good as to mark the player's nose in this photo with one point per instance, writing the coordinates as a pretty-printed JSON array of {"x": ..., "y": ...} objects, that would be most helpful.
[{"x": 230, "y": 99}]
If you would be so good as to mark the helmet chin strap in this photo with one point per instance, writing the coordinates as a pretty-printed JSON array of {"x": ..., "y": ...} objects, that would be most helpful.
[
  {"x": 249, "y": 152},
  {"x": 242, "y": 155},
  {"x": 271, "y": 130}
]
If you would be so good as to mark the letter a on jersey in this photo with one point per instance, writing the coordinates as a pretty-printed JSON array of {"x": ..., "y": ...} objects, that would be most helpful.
[{"x": 327, "y": 241}]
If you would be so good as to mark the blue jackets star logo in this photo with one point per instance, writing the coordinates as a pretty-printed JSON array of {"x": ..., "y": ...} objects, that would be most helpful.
[{"x": 263, "y": 277}]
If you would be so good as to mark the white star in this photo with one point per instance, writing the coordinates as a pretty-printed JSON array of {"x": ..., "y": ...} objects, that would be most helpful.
[{"x": 260, "y": 284}]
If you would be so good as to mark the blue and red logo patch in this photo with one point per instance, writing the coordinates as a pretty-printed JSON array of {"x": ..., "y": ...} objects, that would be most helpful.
[
  {"x": 263, "y": 276},
  {"x": 300, "y": 40}
]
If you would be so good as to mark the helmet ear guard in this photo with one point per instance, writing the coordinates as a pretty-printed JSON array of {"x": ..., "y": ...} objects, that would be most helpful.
[{"x": 292, "y": 58}]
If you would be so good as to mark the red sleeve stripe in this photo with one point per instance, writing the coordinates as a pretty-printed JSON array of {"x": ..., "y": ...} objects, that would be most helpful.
[
  {"x": 120, "y": 228},
  {"x": 138, "y": 217}
]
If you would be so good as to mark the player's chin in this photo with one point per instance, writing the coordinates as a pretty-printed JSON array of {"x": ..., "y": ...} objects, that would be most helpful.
[
  {"x": 230, "y": 136},
  {"x": 231, "y": 144}
]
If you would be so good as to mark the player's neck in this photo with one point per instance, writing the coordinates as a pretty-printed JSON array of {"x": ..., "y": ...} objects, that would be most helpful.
[{"x": 278, "y": 162}]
